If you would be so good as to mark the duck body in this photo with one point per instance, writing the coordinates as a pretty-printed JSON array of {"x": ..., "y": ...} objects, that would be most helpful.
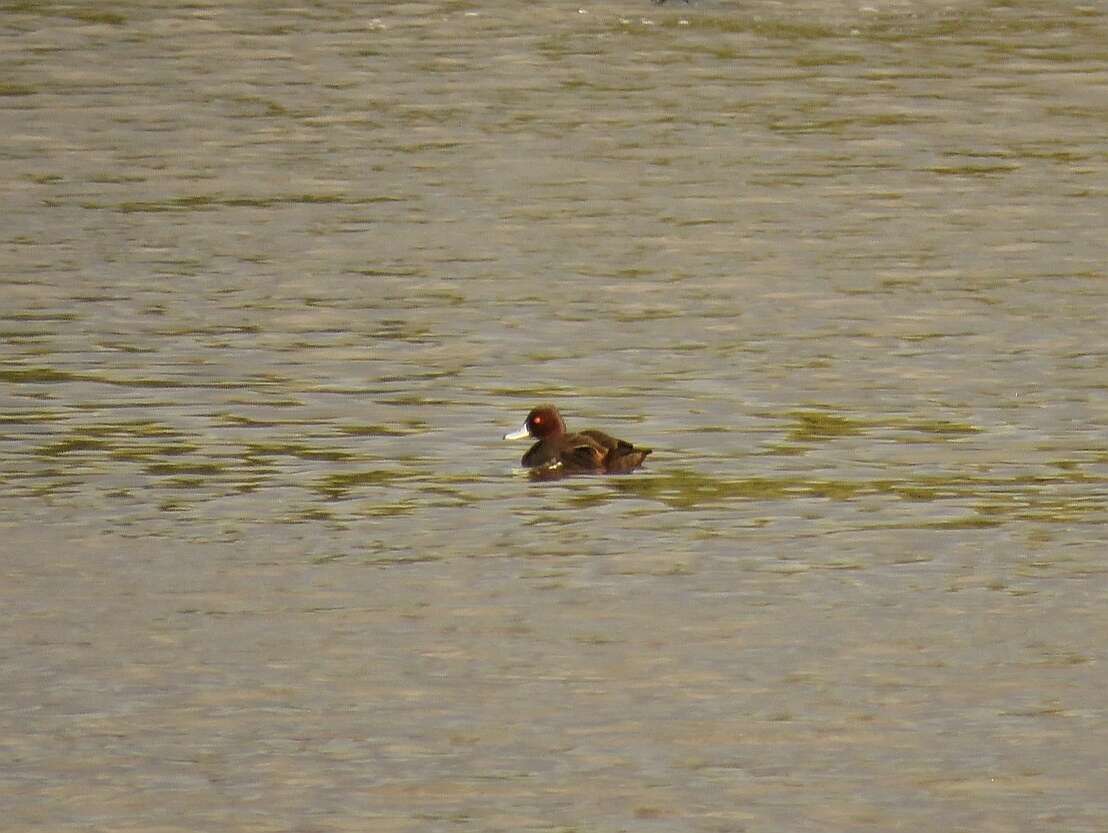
[{"x": 580, "y": 452}]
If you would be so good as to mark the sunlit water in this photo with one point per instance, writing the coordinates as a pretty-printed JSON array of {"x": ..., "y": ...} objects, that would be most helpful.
[{"x": 276, "y": 280}]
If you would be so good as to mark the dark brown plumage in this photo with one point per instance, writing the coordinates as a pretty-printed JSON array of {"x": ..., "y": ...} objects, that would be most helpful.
[{"x": 581, "y": 452}]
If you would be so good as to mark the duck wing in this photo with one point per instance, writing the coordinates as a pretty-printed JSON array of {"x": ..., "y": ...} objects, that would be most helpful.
[
  {"x": 582, "y": 452},
  {"x": 620, "y": 456}
]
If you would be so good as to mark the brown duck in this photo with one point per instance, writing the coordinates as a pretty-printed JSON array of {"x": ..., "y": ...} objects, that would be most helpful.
[{"x": 580, "y": 452}]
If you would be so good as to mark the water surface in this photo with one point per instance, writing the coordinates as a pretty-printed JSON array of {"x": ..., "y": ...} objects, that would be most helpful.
[{"x": 276, "y": 280}]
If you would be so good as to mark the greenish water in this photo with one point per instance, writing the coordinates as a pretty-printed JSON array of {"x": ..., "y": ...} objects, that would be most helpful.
[{"x": 276, "y": 279}]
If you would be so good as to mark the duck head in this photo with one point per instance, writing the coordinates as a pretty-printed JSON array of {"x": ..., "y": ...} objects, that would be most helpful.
[{"x": 543, "y": 422}]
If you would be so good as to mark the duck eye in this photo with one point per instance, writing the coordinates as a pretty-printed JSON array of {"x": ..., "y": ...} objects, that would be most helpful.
[{"x": 537, "y": 420}]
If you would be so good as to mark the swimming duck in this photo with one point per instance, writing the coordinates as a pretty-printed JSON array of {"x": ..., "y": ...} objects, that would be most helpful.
[{"x": 584, "y": 451}]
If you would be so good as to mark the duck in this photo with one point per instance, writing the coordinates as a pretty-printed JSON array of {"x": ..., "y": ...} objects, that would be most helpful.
[{"x": 581, "y": 452}]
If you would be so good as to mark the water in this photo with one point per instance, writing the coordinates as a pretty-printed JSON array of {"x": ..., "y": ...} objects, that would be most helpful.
[{"x": 276, "y": 280}]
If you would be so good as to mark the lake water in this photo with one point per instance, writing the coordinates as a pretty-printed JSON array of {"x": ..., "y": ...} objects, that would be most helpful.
[{"x": 277, "y": 277}]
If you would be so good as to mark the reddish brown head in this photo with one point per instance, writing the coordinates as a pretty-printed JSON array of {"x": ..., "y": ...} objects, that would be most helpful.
[{"x": 543, "y": 422}]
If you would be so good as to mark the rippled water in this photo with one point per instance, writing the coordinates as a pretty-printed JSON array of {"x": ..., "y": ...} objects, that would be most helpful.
[{"x": 277, "y": 278}]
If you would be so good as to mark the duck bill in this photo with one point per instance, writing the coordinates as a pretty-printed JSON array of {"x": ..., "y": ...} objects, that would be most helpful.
[{"x": 521, "y": 434}]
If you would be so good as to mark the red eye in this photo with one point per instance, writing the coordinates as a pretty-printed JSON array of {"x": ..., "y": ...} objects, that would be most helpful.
[{"x": 537, "y": 420}]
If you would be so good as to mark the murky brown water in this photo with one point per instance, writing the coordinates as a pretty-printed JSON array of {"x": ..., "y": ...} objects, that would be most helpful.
[{"x": 276, "y": 279}]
